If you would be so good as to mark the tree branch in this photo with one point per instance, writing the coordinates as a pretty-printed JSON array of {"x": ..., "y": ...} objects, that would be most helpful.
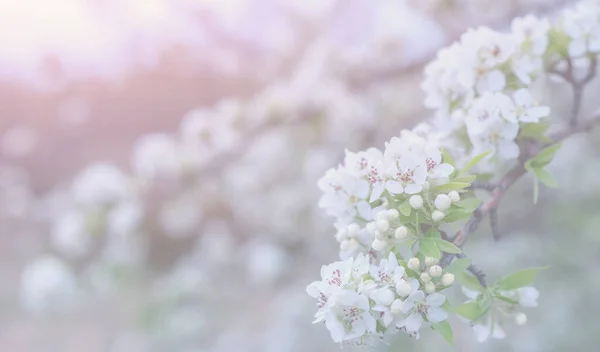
[{"x": 514, "y": 174}]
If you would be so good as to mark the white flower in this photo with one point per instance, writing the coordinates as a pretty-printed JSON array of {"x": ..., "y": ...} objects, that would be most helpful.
[
  {"x": 528, "y": 296},
  {"x": 47, "y": 284},
  {"x": 484, "y": 331},
  {"x": 407, "y": 175},
  {"x": 383, "y": 296},
  {"x": 156, "y": 155},
  {"x": 361, "y": 163},
  {"x": 350, "y": 317},
  {"x": 525, "y": 109},
  {"x": 491, "y": 125},
  {"x": 344, "y": 196},
  {"x": 100, "y": 184},
  {"x": 532, "y": 32},
  {"x": 179, "y": 217},
  {"x": 334, "y": 278},
  {"x": 387, "y": 270},
  {"x": 583, "y": 28},
  {"x": 70, "y": 235},
  {"x": 416, "y": 306}
]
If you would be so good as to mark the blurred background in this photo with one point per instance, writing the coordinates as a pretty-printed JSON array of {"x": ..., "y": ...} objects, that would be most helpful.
[{"x": 159, "y": 158}]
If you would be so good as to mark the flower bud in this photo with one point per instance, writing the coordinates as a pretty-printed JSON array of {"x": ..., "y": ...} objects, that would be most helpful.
[
  {"x": 437, "y": 216},
  {"x": 371, "y": 227},
  {"x": 379, "y": 235},
  {"x": 379, "y": 245},
  {"x": 396, "y": 307},
  {"x": 414, "y": 264},
  {"x": 521, "y": 319},
  {"x": 401, "y": 232},
  {"x": 442, "y": 202},
  {"x": 429, "y": 287},
  {"x": 403, "y": 288},
  {"x": 447, "y": 279},
  {"x": 392, "y": 214},
  {"x": 426, "y": 186},
  {"x": 341, "y": 235},
  {"x": 345, "y": 245},
  {"x": 429, "y": 261},
  {"x": 353, "y": 230},
  {"x": 454, "y": 196},
  {"x": 435, "y": 271},
  {"x": 425, "y": 277},
  {"x": 383, "y": 296},
  {"x": 383, "y": 225},
  {"x": 416, "y": 201}
]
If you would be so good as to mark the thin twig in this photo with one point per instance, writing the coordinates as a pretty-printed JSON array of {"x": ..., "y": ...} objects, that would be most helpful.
[
  {"x": 476, "y": 271},
  {"x": 494, "y": 224},
  {"x": 484, "y": 185},
  {"x": 505, "y": 183}
]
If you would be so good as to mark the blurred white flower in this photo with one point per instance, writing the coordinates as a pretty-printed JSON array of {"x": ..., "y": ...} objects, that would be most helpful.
[
  {"x": 266, "y": 263},
  {"x": 180, "y": 217},
  {"x": 70, "y": 234},
  {"x": 100, "y": 184},
  {"x": 47, "y": 284}
]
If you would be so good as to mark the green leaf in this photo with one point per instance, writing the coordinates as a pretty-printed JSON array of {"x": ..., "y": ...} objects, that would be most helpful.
[
  {"x": 469, "y": 204},
  {"x": 476, "y": 160},
  {"x": 445, "y": 330},
  {"x": 545, "y": 177},
  {"x": 470, "y": 310},
  {"x": 517, "y": 280},
  {"x": 405, "y": 208},
  {"x": 457, "y": 214},
  {"x": 465, "y": 179},
  {"x": 536, "y": 190},
  {"x": 543, "y": 158},
  {"x": 536, "y": 131},
  {"x": 447, "y": 157},
  {"x": 433, "y": 233},
  {"x": 469, "y": 281},
  {"x": 446, "y": 247},
  {"x": 458, "y": 266},
  {"x": 428, "y": 248},
  {"x": 558, "y": 42},
  {"x": 451, "y": 186},
  {"x": 506, "y": 299}
]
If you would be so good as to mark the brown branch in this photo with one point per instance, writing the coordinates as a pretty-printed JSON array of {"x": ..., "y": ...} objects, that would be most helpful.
[{"x": 514, "y": 174}]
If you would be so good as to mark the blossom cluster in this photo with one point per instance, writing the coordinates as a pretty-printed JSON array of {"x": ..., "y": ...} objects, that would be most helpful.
[
  {"x": 480, "y": 87},
  {"x": 375, "y": 196},
  {"x": 360, "y": 301},
  {"x": 397, "y": 201}
]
